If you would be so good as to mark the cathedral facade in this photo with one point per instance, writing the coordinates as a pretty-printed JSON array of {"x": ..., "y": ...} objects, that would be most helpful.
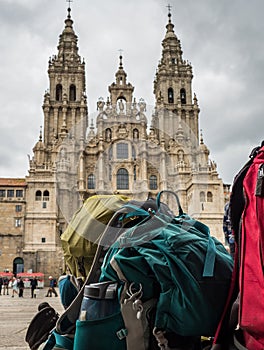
[{"x": 122, "y": 150}]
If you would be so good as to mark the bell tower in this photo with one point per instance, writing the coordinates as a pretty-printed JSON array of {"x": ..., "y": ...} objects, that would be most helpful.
[
  {"x": 53, "y": 170},
  {"x": 65, "y": 103},
  {"x": 121, "y": 89},
  {"x": 175, "y": 105}
]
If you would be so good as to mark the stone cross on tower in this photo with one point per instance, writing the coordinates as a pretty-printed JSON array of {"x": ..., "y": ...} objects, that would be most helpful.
[
  {"x": 69, "y": 1},
  {"x": 169, "y": 8}
]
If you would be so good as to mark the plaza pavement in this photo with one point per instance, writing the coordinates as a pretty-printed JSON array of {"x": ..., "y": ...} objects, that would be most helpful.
[{"x": 16, "y": 314}]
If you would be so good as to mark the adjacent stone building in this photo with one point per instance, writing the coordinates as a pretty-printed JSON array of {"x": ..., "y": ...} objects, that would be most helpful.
[
  {"x": 121, "y": 151},
  {"x": 12, "y": 223}
]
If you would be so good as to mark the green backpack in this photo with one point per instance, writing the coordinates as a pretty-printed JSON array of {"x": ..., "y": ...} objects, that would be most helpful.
[{"x": 173, "y": 279}]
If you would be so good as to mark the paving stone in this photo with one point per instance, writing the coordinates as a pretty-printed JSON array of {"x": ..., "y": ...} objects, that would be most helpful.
[{"x": 16, "y": 314}]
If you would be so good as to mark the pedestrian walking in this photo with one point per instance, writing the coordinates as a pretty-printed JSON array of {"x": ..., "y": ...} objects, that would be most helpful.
[
  {"x": 33, "y": 286},
  {"x": 21, "y": 286},
  {"x": 6, "y": 286},
  {"x": 52, "y": 285},
  {"x": 1, "y": 284},
  {"x": 14, "y": 287}
]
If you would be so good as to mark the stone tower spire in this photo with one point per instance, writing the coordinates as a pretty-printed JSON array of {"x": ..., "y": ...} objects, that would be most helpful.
[
  {"x": 173, "y": 89},
  {"x": 121, "y": 89},
  {"x": 65, "y": 107}
]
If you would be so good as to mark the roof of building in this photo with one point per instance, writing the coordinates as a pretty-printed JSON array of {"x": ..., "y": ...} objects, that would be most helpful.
[{"x": 12, "y": 182}]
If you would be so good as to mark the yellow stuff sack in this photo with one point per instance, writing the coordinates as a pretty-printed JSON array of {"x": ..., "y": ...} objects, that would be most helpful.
[{"x": 80, "y": 239}]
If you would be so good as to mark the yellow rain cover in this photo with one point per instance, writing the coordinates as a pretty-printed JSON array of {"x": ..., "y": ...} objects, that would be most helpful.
[{"x": 80, "y": 239}]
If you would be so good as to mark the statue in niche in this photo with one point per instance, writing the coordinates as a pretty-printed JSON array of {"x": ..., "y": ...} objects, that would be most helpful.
[
  {"x": 181, "y": 162},
  {"x": 108, "y": 135},
  {"x": 135, "y": 134},
  {"x": 121, "y": 106},
  {"x": 100, "y": 104},
  {"x": 180, "y": 156}
]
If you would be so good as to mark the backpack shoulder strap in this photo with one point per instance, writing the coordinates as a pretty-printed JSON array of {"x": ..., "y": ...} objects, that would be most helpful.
[{"x": 237, "y": 200}]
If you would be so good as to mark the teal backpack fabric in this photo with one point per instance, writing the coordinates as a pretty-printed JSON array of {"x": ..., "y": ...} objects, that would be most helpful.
[
  {"x": 176, "y": 261},
  {"x": 68, "y": 288}
]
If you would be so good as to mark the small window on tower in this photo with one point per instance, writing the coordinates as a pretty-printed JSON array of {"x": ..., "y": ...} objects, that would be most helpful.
[
  {"x": 72, "y": 93},
  {"x": 46, "y": 195},
  {"x": 59, "y": 92},
  {"x": 38, "y": 196},
  {"x": 173, "y": 60},
  {"x": 183, "y": 96},
  {"x": 91, "y": 182},
  {"x": 153, "y": 182},
  {"x": 170, "y": 95},
  {"x": 209, "y": 196},
  {"x": 202, "y": 196}
]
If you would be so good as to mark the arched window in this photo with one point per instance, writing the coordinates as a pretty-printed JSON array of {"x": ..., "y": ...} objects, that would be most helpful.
[
  {"x": 72, "y": 93},
  {"x": 209, "y": 196},
  {"x": 202, "y": 196},
  {"x": 170, "y": 95},
  {"x": 183, "y": 96},
  {"x": 38, "y": 195},
  {"x": 46, "y": 195},
  {"x": 153, "y": 182},
  {"x": 122, "y": 181},
  {"x": 59, "y": 92},
  {"x": 91, "y": 182}
]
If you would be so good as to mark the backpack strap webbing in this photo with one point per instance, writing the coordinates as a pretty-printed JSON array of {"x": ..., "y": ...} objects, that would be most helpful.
[{"x": 133, "y": 323}]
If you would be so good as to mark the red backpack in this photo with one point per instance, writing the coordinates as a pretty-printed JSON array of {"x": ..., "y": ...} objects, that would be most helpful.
[{"x": 242, "y": 324}]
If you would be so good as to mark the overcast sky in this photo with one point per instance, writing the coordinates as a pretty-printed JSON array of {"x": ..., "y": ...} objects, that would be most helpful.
[{"x": 223, "y": 40}]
